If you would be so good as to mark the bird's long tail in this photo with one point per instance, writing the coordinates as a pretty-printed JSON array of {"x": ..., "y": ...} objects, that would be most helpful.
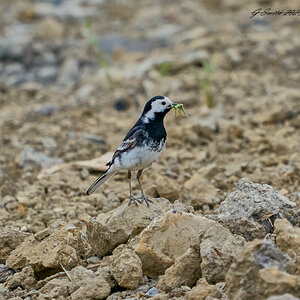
[{"x": 99, "y": 181}]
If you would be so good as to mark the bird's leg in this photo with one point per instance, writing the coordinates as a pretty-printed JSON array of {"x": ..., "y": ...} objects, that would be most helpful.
[
  {"x": 132, "y": 199},
  {"x": 143, "y": 197}
]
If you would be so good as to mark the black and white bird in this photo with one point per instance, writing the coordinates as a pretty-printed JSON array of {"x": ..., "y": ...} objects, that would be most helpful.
[{"x": 141, "y": 146}]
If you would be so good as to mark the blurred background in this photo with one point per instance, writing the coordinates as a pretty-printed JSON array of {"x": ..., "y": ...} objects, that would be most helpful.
[{"x": 75, "y": 75}]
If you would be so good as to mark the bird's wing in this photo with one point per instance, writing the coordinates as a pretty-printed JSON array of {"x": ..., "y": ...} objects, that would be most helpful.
[{"x": 128, "y": 143}]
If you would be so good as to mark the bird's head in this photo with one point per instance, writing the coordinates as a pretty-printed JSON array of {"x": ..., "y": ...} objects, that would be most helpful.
[{"x": 157, "y": 107}]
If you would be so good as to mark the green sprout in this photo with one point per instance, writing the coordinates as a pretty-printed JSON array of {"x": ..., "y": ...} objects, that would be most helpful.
[
  {"x": 204, "y": 81},
  {"x": 89, "y": 34},
  {"x": 164, "y": 68}
]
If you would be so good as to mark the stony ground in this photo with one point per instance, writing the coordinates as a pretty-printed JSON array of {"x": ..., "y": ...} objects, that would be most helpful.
[{"x": 74, "y": 76}]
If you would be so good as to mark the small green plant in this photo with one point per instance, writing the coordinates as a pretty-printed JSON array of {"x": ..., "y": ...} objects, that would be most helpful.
[
  {"x": 164, "y": 68},
  {"x": 204, "y": 80},
  {"x": 90, "y": 35}
]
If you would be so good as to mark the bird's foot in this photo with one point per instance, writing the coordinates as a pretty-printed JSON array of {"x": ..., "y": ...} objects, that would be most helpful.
[
  {"x": 146, "y": 199},
  {"x": 134, "y": 201}
]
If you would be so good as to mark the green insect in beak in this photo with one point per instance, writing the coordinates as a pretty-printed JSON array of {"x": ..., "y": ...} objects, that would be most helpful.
[{"x": 179, "y": 110}]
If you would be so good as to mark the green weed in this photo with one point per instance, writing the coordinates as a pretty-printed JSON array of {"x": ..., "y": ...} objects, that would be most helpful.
[
  {"x": 204, "y": 80},
  {"x": 164, "y": 68}
]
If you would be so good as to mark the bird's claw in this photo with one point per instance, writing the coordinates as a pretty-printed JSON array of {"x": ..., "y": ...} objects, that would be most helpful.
[
  {"x": 135, "y": 201},
  {"x": 146, "y": 199}
]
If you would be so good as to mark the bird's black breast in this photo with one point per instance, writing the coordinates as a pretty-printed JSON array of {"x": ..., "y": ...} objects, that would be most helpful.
[
  {"x": 155, "y": 135},
  {"x": 156, "y": 131}
]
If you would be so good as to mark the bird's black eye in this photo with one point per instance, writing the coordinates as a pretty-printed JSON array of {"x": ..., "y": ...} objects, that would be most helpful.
[{"x": 163, "y": 102}]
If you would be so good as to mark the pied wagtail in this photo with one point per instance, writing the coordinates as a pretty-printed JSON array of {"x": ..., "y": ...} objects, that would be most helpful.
[{"x": 141, "y": 146}]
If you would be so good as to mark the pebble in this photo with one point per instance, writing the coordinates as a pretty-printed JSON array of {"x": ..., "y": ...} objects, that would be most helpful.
[
  {"x": 93, "y": 138},
  {"x": 152, "y": 292},
  {"x": 29, "y": 157},
  {"x": 46, "y": 110},
  {"x": 47, "y": 74},
  {"x": 5, "y": 272},
  {"x": 68, "y": 72},
  {"x": 93, "y": 260},
  {"x": 121, "y": 104}
]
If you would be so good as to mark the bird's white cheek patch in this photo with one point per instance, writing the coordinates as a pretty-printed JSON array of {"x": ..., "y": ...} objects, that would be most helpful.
[{"x": 150, "y": 115}]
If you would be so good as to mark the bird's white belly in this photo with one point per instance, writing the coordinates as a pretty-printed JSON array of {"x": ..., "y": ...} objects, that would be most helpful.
[{"x": 138, "y": 158}]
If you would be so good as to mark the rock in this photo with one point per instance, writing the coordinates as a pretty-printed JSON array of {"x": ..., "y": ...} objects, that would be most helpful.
[
  {"x": 31, "y": 88},
  {"x": 272, "y": 281},
  {"x": 277, "y": 113},
  {"x": 49, "y": 144},
  {"x": 46, "y": 56},
  {"x": 88, "y": 285},
  {"x": 56, "y": 289},
  {"x": 10, "y": 238},
  {"x": 127, "y": 269},
  {"x": 111, "y": 43},
  {"x": 195, "y": 57},
  {"x": 288, "y": 240},
  {"x": 134, "y": 70},
  {"x": 105, "y": 272},
  {"x": 218, "y": 248},
  {"x": 295, "y": 122},
  {"x": 233, "y": 55},
  {"x": 250, "y": 230},
  {"x": 115, "y": 227},
  {"x": 93, "y": 260},
  {"x": 283, "y": 297},
  {"x": 5, "y": 272},
  {"x": 161, "y": 297},
  {"x": 13, "y": 298},
  {"x": 10, "y": 203},
  {"x": 13, "y": 46},
  {"x": 24, "y": 279},
  {"x": 168, "y": 238},
  {"x": 14, "y": 74},
  {"x": 255, "y": 202},
  {"x": 85, "y": 91},
  {"x": 68, "y": 72},
  {"x": 162, "y": 34},
  {"x": 64, "y": 10},
  {"x": 168, "y": 188},
  {"x": 3, "y": 292},
  {"x": 30, "y": 158},
  {"x": 31, "y": 195},
  {"x": 49, "y": 29},
  {"x": 59, "y": 244},
  {"x": 234, "y": 132},
  {"x": 201, "y": 291},
  {"x": 152, "y": 292},
  {"x": 122, "y": 104},
  {"x": 93, "y": 138},
  {"x": 185, "y": 271},
  {"x": 242, "y": 276},
  {"x": 45, "y": 110},
  {"x": 47, "y": 74},
  {"x": 287, "y": 237},
  {"x": 269, "y": 255},
  {"x": 197, "y": 192}
]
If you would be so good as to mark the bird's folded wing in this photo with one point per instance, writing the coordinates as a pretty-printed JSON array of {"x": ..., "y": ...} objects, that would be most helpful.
[{"x": 128, "y": 143}]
